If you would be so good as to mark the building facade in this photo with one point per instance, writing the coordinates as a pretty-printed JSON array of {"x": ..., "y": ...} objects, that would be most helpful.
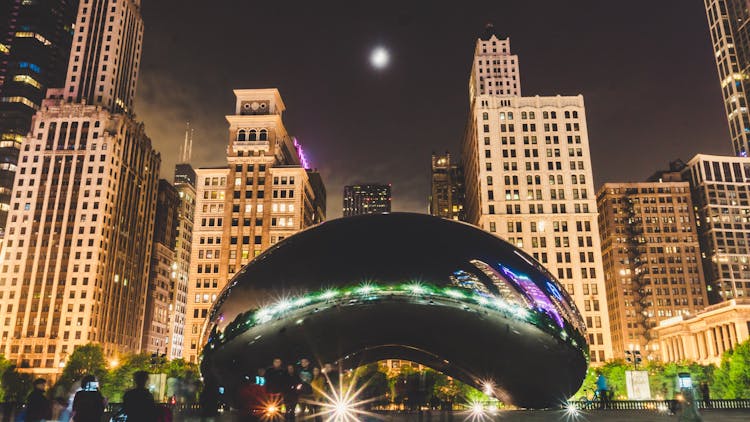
[
  {"x": 720, "y": 191},
  {"x": 528, "y": 179},
  {"x": 651, "y": 258},
  {"x": 184, "y": 183},
  {"x": 264, "y": 195},
  {"x": 78, "y": 249},
  {"x": 447, "y": 191},
  {"x": 730, "y": 36},
  {"x": 704, "y": 337},
  {"x": 34, "y": 49},
  {"x": 368, "y": 198},
  {"x": 162, "y": 276}
]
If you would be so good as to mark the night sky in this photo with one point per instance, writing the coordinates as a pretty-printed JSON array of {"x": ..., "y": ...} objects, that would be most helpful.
[{"x": 645, "y": 69}]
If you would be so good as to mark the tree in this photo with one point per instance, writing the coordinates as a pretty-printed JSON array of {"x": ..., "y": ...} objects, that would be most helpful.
[
  {"x": 16, "y": 385},
  {"x": 732, "y": 378},
  {"x": 120, "y": 379},
  {"x": 86, "y": 359},
  {"x": 372, "y": 383},
  {"x": 4, "y": 364}
]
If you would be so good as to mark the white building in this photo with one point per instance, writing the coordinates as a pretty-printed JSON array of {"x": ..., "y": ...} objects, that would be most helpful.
[
  {"x": 265, "y": 194},
  {"x": 528, "y": 179}
]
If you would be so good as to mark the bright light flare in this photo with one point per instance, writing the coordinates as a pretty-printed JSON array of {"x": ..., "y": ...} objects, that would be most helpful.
[
  {"x": 478, "y": 412},
  {"x": 343, "y": 404}
]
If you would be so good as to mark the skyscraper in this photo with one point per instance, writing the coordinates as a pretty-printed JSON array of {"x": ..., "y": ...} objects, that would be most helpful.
[
  {"x": 77, "y": 252},
  {"x": 159, "y": 296},
  {"x": 730, "y": 35},
  {"x": 447, "y": 193},
  {"x": 184, "y": 182},
  {"x": 265, "y": 194},
  {"x": 651, "y": 257},
  {"x": 721, "y": 199},
  {"x": 370, "y": 198},
  {"x": 34, "y": 49},
  {"x": 528, "y": 178}
]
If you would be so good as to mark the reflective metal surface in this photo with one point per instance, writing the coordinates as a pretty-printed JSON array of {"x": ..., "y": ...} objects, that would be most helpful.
[{"x": 409, "y": 286}]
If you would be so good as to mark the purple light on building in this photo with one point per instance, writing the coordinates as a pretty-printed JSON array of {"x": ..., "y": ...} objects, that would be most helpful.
[{"x": 301, "y": 154}]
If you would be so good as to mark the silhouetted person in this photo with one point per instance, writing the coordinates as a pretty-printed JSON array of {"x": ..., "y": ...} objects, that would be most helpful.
[
  {"x": 276, "y": 379},
  {"x": 291, "y": 395},
  {"x": 88, "y": 403},
  {"x": 318, "y": 385},
  {"x": 705, "y": 394},
  {"x": 332, "y": 378},
  {"x": 603, "y": 391},
  {"x": 138, "y": 403},
  {"x": 306, "y": 393},
  {"x": 38, "y": 407}
]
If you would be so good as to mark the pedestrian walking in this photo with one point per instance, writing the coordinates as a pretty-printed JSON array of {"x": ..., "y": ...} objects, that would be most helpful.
[
  {"x": 292, "y": 393},
  {"x": 88, "y": 403},
  {"x": 602, "y": 390},
  {"x": 138, "y": 403},
  {"x": 38, "y": 407}
]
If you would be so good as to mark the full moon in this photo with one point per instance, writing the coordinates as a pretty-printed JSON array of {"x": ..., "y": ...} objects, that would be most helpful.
[{"x": 379, "y": 58}]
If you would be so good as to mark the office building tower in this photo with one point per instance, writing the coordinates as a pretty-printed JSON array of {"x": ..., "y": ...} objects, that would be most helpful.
[
  {"x": 263, "y": 195},
  {"x": 447, "y": 193},
  {"x": 162, "y": 275},
  {"x": 651, "y": 258},
  {"x": 730, "y": 37},
  {"x": 184, "y": 183},
  {"x": 720, "y": 191},
  {"x": 367, "y": 198},
  {"x": 35, "y": 38},
  {"x": 78, "y": 249},
  {"x": 528, "y": 178}
]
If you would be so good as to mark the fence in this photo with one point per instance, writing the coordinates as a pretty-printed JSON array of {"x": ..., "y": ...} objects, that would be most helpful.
[{"x": 659, "y": 405}]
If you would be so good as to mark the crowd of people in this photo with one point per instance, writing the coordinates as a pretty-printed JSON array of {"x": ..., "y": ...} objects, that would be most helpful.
[
  {"x": 88, "y": 404},
  {"x": 295, "y": 386}
]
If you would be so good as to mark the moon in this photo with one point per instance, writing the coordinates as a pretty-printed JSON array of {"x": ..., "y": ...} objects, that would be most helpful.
[{"x": 379, "y": 58}]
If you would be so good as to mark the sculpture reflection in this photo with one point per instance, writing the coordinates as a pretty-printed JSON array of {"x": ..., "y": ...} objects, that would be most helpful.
[{"x": 405, "y": 286}]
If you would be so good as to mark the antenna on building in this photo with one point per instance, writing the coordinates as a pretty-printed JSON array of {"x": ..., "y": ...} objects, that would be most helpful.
[{"x": 186, "y": 150}]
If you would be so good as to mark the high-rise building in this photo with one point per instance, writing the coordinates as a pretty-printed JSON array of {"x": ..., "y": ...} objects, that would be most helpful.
[
  {"x": 528, "y": 179},
  {"x": 651, "y": 257},
  {"x": 78, "y": 248},
  {"x": 730, "y": 35},
  {"x": 265, "y": 194},
  {"x": 369, "y": 198},
  {"x": 184, "y": 182},
  {"x": 35, "y": 38},
  {"x": 162, "y": 276},
  {"x": 721, "y": 199},
  {"x": 447, "y": 193}
]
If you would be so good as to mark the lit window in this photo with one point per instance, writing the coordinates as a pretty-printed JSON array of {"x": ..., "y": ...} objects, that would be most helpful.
[{"x": 28, "y": 80}]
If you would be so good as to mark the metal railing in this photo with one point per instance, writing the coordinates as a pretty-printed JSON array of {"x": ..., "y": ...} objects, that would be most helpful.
[{"x": 659, "y": 405}]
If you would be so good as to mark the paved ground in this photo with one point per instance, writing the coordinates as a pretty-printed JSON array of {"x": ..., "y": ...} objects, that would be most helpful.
[{"x": 538, "y": 416}]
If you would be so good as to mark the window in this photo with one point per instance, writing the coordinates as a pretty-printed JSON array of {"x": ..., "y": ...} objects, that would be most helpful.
[
  {"x": 263, "y": 134},
  {"x": 241, "y": 135},
  {"x": 253, "y": 135}
]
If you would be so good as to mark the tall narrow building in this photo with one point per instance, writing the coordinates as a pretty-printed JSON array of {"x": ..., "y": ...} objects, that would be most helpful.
[
  {"x": 528, "y": 179},
  {"x": 35, "y": 38},
  {"x": 721, "y": 199},
  {"x": 447, "y": 190},
  {"x": 651, "y": 256},
  {"x": 184, "y": 182},
  {"x": 77, "y": 252},
  {"x": 368, "y": 198},
  {"x": 265, "y": 194},
  {"x": 730, "y": 36},
  {"x": 161, "y": 283}
]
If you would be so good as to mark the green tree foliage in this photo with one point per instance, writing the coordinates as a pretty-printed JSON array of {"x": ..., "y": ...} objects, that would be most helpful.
[
  {"x": 16, "y": 385},
  {"x": 663, "y": 376},
  {"x": 4, "y": 364},
  {"x": 86, "y": 359},
  {"x": 732, "y": 378},
  {"x": 373, "y": 384},
  {"x": 120, "y": 379}
]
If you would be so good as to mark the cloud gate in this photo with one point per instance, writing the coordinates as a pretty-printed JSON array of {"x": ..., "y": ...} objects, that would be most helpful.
[{"x": 402, "y": 286}]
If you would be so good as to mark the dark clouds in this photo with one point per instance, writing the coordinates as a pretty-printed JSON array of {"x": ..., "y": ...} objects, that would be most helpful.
[{"x": 645, "y": 68}]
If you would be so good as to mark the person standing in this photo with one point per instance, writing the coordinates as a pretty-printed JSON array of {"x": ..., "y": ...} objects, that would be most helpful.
[
  {"x": 291, "y": 395},
  {"x": 88, "y": 403},
  {"x": 602, "y": 390},
  {"x": 276, "y": 378},
  {"x": 318, "y": 385},
  {"x": 306, "y": 393},
  {"x": 332, "y": 378},
  {"x": 138, "y": 403},
  {"x": 38, "y": 407}
]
